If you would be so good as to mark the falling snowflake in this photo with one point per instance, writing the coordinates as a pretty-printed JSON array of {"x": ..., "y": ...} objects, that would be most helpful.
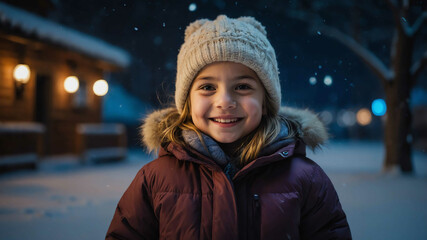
[
  {"x": 192, "y": 7},
  {"x": 312, "y": 80},
  {"x": 327, "y": 80}
]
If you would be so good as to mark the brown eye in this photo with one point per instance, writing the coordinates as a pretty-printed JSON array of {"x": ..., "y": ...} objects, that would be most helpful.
[
  {"x": 243, "y": 87},
  {"x": 207, "y": 87}
]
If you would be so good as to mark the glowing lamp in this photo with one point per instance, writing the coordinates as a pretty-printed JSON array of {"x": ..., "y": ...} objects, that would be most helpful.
[
  {"x": 364, "y": 117},
  {"x": 71, "y": 84},
  {"x": 100, "y": 87},
  {"x": 21, "y": 73}
]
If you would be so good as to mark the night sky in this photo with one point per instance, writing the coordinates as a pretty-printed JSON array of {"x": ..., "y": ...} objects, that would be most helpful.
[{"x": 152, "y": 31}]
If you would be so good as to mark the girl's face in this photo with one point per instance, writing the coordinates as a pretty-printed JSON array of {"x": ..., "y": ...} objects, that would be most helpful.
[{"x": 226, "y": 101}]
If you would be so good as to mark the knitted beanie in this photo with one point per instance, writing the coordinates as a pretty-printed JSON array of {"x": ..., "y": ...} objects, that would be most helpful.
[{"x": 242, "y": 40}]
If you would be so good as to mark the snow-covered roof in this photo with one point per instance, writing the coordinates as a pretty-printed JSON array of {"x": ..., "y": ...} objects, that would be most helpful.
[{"x": 59, "y": 34}]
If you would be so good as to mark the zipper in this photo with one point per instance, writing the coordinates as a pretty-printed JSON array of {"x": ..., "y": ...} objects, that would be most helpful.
[
  {"x": 256, "y": 202},
  {"x": 255, "y": 221}
]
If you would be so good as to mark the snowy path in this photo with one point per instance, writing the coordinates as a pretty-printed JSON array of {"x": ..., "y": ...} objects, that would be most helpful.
[
  {"x": 63, "y": 200},
  {"x": 378, "y": 205}
]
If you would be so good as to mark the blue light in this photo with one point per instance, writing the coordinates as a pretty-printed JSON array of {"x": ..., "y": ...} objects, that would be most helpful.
[
  {"x": 379, "y": 107},
  {"x": 192, "y": 7}
]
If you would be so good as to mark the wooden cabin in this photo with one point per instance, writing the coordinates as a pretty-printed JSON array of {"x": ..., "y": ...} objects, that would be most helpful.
[{"x": 40, "y": 117}]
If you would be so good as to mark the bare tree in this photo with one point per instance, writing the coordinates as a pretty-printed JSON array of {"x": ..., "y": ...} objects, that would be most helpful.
[{"x": 406, "y": 64}]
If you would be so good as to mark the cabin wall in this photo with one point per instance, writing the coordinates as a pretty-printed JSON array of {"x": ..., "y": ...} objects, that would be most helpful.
[
  {"x": 12, "y": 108},
  {"x": 62, "y": 111}
]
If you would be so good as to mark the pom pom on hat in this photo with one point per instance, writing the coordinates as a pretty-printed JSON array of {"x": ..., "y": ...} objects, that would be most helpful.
[
  {"x": 194, "y": 26},
  {"x": 242, "y": 40}
]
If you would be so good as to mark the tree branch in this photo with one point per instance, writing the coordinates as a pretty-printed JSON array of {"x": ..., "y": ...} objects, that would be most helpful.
[
  {"x": 399, "y": 16},
  {"x": 370, "y": 59},
  {"x": 395, "y": 11},
  {"x": 415, "y": 29},
  {"x": 405, "y": 6},
  {"x": 418, "y": 67}
]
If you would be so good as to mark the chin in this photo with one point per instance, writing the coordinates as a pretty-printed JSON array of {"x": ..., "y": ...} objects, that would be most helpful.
[{"x": 225, "y": 140}]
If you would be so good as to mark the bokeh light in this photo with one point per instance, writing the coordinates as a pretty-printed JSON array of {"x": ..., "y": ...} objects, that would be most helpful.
[
  {"x": 21, "y": 73},
  {"x": 192, "y": 7},
  {"x": 327, "y": 80},
  {"x": 71, "y": 84},
  {"x": 312, "y": 80},
  {"x": 326, "y": 117},
  {"x": 100, "y": 87},
  {"x": 364, "y": 117},
  {"x": 379, "y": 107},
  {"x": 346, "y": 118}
]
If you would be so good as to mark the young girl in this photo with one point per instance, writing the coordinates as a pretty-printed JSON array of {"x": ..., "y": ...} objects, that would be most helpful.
[{"x": 231, "y": 162}]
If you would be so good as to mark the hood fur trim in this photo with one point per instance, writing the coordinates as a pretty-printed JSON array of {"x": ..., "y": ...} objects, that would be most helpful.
[
  {"x": 312, "y": 130},
  {"x": 151, "y": 130}
]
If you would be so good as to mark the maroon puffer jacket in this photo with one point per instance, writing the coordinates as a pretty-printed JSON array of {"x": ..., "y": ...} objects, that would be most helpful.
[{"x": 185, "y": 195}]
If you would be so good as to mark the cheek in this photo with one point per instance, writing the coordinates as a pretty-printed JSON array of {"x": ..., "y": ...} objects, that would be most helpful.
[
  {"x": 254, "y": 108},
  {"x": 199, "y": 107}
]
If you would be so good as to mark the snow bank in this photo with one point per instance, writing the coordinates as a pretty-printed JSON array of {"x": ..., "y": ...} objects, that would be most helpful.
[
  {"x": 21, "y": 127},
  {"x": 100, "y": 128}
]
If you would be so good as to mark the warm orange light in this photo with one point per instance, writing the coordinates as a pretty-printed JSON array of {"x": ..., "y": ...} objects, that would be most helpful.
[
  {"x": 21, "y": 73},
  {"x": 364, "y": 117},
  {"x": 71, "y": 84},
  {"x": 100, "y": 87}
]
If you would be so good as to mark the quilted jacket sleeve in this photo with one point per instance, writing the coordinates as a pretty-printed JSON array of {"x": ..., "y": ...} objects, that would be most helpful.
[
  {"x": 322, "y": 216},
  {"x": 134, "y": 217}
]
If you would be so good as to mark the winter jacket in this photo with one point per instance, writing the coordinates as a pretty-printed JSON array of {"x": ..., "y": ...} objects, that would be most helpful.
[{"x": 183, "y": 194}]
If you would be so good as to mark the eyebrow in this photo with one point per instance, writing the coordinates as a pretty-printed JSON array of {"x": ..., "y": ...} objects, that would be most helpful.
[{"x": 207, "y": 78}]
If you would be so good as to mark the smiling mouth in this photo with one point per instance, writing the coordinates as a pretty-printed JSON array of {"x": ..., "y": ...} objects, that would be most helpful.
[{"x": 226, "y": 120}]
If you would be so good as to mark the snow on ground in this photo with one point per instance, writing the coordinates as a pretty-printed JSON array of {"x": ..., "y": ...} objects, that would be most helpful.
[
  {"x": 64, "y": 200},
  {"x": 378, "y": 205}
]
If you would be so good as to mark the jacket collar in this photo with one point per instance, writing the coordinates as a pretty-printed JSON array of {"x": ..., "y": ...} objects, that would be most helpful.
[
  {"x": 294, "y": 148},
  {"x": 211, "y": 148},
  {"x": 192, "y": 155}
]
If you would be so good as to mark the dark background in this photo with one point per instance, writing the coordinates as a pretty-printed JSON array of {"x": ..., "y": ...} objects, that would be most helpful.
[{"x": 152, "y": 32}]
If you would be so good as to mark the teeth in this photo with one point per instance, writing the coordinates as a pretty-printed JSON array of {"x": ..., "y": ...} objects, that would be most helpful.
[{"x": 228, "y": 120}]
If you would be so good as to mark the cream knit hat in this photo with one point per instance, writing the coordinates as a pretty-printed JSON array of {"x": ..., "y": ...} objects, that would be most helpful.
[{"x": 242, "y": 40}]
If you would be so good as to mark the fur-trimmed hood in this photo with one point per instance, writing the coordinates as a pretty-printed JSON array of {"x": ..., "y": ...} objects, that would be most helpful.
[{"x": 312, "y": 130}]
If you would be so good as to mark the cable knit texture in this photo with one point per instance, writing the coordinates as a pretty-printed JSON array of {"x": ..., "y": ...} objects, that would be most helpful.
[{"x": 242, "y": 40}]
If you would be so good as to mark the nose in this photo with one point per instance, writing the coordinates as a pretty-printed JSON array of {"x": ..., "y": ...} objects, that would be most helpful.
[{"x": 225, "y": 100}]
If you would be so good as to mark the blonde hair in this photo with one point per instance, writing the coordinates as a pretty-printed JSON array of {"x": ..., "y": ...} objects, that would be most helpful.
[{"x": 174, "y": 123}]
